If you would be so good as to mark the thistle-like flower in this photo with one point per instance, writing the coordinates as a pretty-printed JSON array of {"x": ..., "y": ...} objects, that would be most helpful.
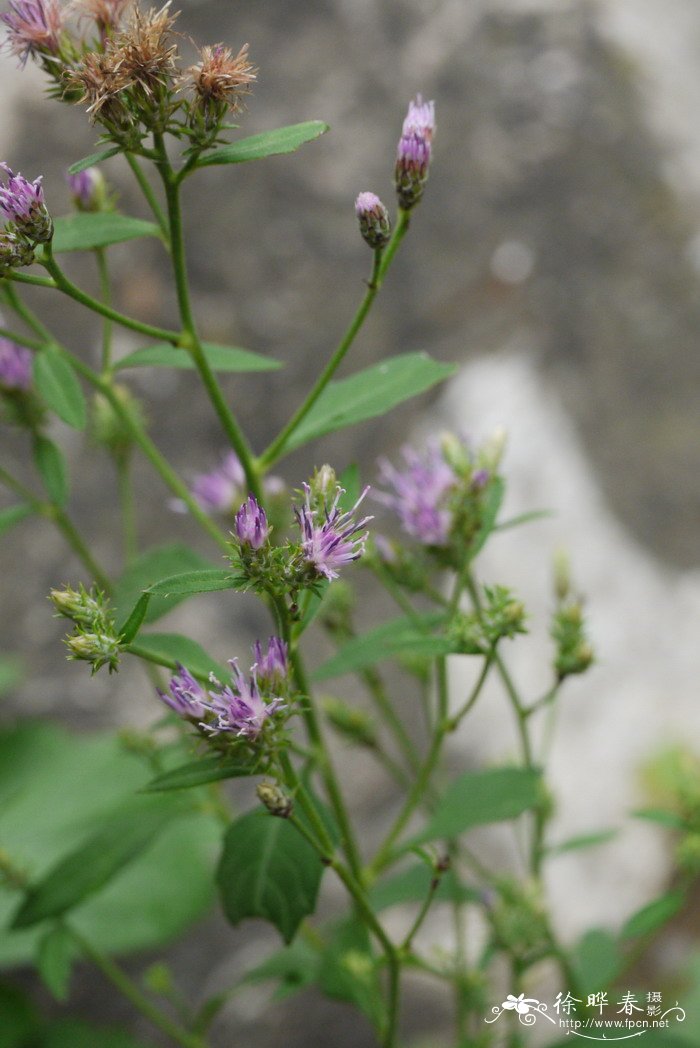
[
  {"x": 88, "y": 189},
  {"x": 98, "y": 82},
  {"x": 240, "y": 708},
  {"x": 22, "y": 203},
  {"x": 373, "y": 217},
  {"x": 252, "y": 529},
  {"x": 107, "y": 14},
  {"x": 15, "y": 366},
  {"x": 420, "y": 493},
  {"x": 333, "y": 542},
  {"x": 414, "y": 151},
  {"x": 271, "y": 667},
  {"x": 33, "y": 28},
  {"x": 219, "y": 79},
  {"x": 144, "y": 52},
  {"x": 185, "y": 696}
]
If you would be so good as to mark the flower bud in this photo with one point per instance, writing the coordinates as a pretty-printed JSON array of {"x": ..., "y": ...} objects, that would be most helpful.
[
  {"x": 323, "y": 485},
  {"x": 22, "y": 203},
  {"x": 15, "y": 366},
  {"x": 15, "y": 251},
  {"x": 373, "y": 217},
  {"x": 251, "y": 528},
  {"x": 88, "y": 189},
  {"x": 99, "y": 649},
  {"x": 276, "y": 802},
  {"x": 109, "y": 428},
  {"x": 78, "y": 605},
  {"x": 354, "y": 724},
  {"x": 414, "y": 152},
  {"x": 562, "y": 575}
]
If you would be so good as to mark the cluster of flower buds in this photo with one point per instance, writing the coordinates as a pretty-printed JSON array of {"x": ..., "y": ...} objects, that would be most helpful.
[
  {"x": 122, "y": 62},
  {"x": 410, "y": 174},
  {"x": 500, "y": 616},
  {"x": 28, "y": 221},
  {"x": 94, "y": 638},
  {"x": 242, "y": 708},
  {"x": 573, "y": 651},
  {"x": 440, "y": 495}
]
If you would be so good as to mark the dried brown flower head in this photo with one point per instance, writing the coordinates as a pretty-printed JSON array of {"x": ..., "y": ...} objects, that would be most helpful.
[
  {"x": 100, "y": 84},
  {"x": 144, "y": 53},
  {"x": 220, "y": 77},
  {"x": 107, "y": 14}
]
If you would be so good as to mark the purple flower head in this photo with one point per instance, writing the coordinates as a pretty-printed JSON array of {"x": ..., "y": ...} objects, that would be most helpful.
[
  {"x": 186, "y": 697},
  {"x": 15, "y": 366},
  {"x": 252, "y": 529},
  {"x": 419, "y": 495},
  {"x": 240, "y": 708},
  {"x": 414, "y": 151},
  {"x": 221, "y": 489},
  {"x": 330, "y": 544},
  {"x": 33, "y": 27},
  {"x": 271, "y": 668},
  {"x": 88, "y": 189},
  {"x": 373, "y": 217},
  {"x": 22, "y": 202}
]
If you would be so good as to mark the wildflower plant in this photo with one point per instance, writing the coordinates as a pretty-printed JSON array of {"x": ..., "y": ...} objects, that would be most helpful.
[{"x": 261, "y": 722}]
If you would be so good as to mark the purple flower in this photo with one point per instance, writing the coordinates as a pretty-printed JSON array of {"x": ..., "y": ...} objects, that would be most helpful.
[
  {"x": 420, "y": 493},
  {"x": 271, "y": 668},
  {"x": 15, "y": 366},
  {"x": 414, "y": 151},
  {"x": 374, "y": 220},
  {"x": 87, "y": 189},
  {"x": 252, "y": 529},
  {"x": 23, "y": 203},
  {"x": 33, "y": 27},
  {"x": 331, "y": 543},
  {"x": 240, "y": 708},
  {"x": 186, "y": 697},
  {"x": 221, "y": 489}
]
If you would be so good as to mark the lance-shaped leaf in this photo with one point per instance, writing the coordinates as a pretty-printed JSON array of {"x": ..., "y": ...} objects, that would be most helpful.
[
  {"x": 57, "y": 383},
  {"x": 269, "y": 143},
  {"x": 268, "y": 870},
  {"x": 478, "y": 798},
  {"x": 369, "y": 393},
  {"x": 199, "y": 773},
  {"x": 153, "y": 565},
  {"x": 54, "y": 961},
  {"x": 86, "y": 230},
  {"x": 52, "y": 468},
  {"x": 87, "y": 869},
  {"x": 94, "y": 158},
  {"x": 402, "y": 636},
  {"x": 220, "y": 358},
  {"x": 185, "y": 583},
  {"x": 13, "y": 515},
  {"x": 653, "y": 915}
]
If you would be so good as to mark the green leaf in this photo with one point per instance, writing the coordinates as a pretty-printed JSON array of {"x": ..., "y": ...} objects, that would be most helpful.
[
  {"x": 86, "y": 230},
  {"x": 87, "y": 869},
  {"x": 268, "y": 870},
  {"x": 478, "y": 798},
  {"x": 20, "y": 1022},
  {"x": 153, "y": 565},
  {"x": 73, "y": 1033},
  {"x": 174, "y": 647},
  {"x": 55, "y": 961},
  {"x": 56, "y": 382},
  {"x": 57, "y": 789},
  {"x": 13, "y": 515},
  {"x": 583, "y": 840},
  {"x": 94, "y": 158},
  {"x": 198, "y": 773},
  {"x": 295, "y": 966},
  {"x": 597, "y": 960},
  {"x": 398, "y": 637},
  {"x": 52, "y": 469},
  {"x": 670, "y": 819},
  {"x": 369, "y": 393},
  {"x": 413, "y": 885},
  {"x": 220, "y": 358},
  {"x": 185, "y": 583},
  {"x": 269, "y": 143},
  {"x": 11, "y": 673},
  {"x": 133, "y": 624},
  {"x": 653, "y": 915},
  {"x": 348, "y": 970}
]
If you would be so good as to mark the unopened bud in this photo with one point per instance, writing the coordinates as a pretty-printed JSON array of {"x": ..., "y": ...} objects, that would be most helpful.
[
  {"x": 491, "y": 451},
  {"x": 275, "y": 800},
  {"x": 89, "y": 190},
  {"x": 562, "y": 575},
  {"x": 78, "y": 605},
  {"x": 109, "y": 427},
  {"x": 252, "y": 529},
  {"x": 414, "y": 152},
  {"x": 373, "y": 217},
  {"x": 324, "y": 485},
  {"x": 354, "y": 724}
]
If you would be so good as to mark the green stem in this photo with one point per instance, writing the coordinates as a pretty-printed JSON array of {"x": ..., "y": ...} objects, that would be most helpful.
[
  {"x": 381, "y": 264},
  {"x": 152, "y": 200},
  {"x": 27, "y": 278},
  {"x": 106, "y": 293},
  {"x": 422, "y": 913},
  {"x": 191, "y": 341},
  {"x": 63, "y": 284},
  {"x": 129, "y": 989}
]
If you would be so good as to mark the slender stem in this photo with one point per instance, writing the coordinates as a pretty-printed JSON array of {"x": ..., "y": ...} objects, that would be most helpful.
[
  {"x": 152, "y": 200},
  {"x": 27, "y": 278},
  {"x": 476, "y": 691},
  {"x": 192, "y": 341},
  {"x": 381, "y": 264},
  {"x": 422, "y": 913},
  {"x": 106, "y": 293},
  {"x": 31, "y": 320},
  {"x": 126, "y": 986},
  {"x": 61, "y": 281},
  {"x": 294, "y": 782}
]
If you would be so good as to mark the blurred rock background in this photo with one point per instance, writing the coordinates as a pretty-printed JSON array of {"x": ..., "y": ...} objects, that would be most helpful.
[{"x": 560, "y": 232}]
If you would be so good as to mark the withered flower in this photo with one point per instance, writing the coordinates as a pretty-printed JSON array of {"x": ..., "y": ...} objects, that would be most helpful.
[
  {"x": 220, "y": 78},
  {"x": 100, "y": 85},
  {"x": 107, "y": 14},
  {"x": 144, "y": 52}
]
